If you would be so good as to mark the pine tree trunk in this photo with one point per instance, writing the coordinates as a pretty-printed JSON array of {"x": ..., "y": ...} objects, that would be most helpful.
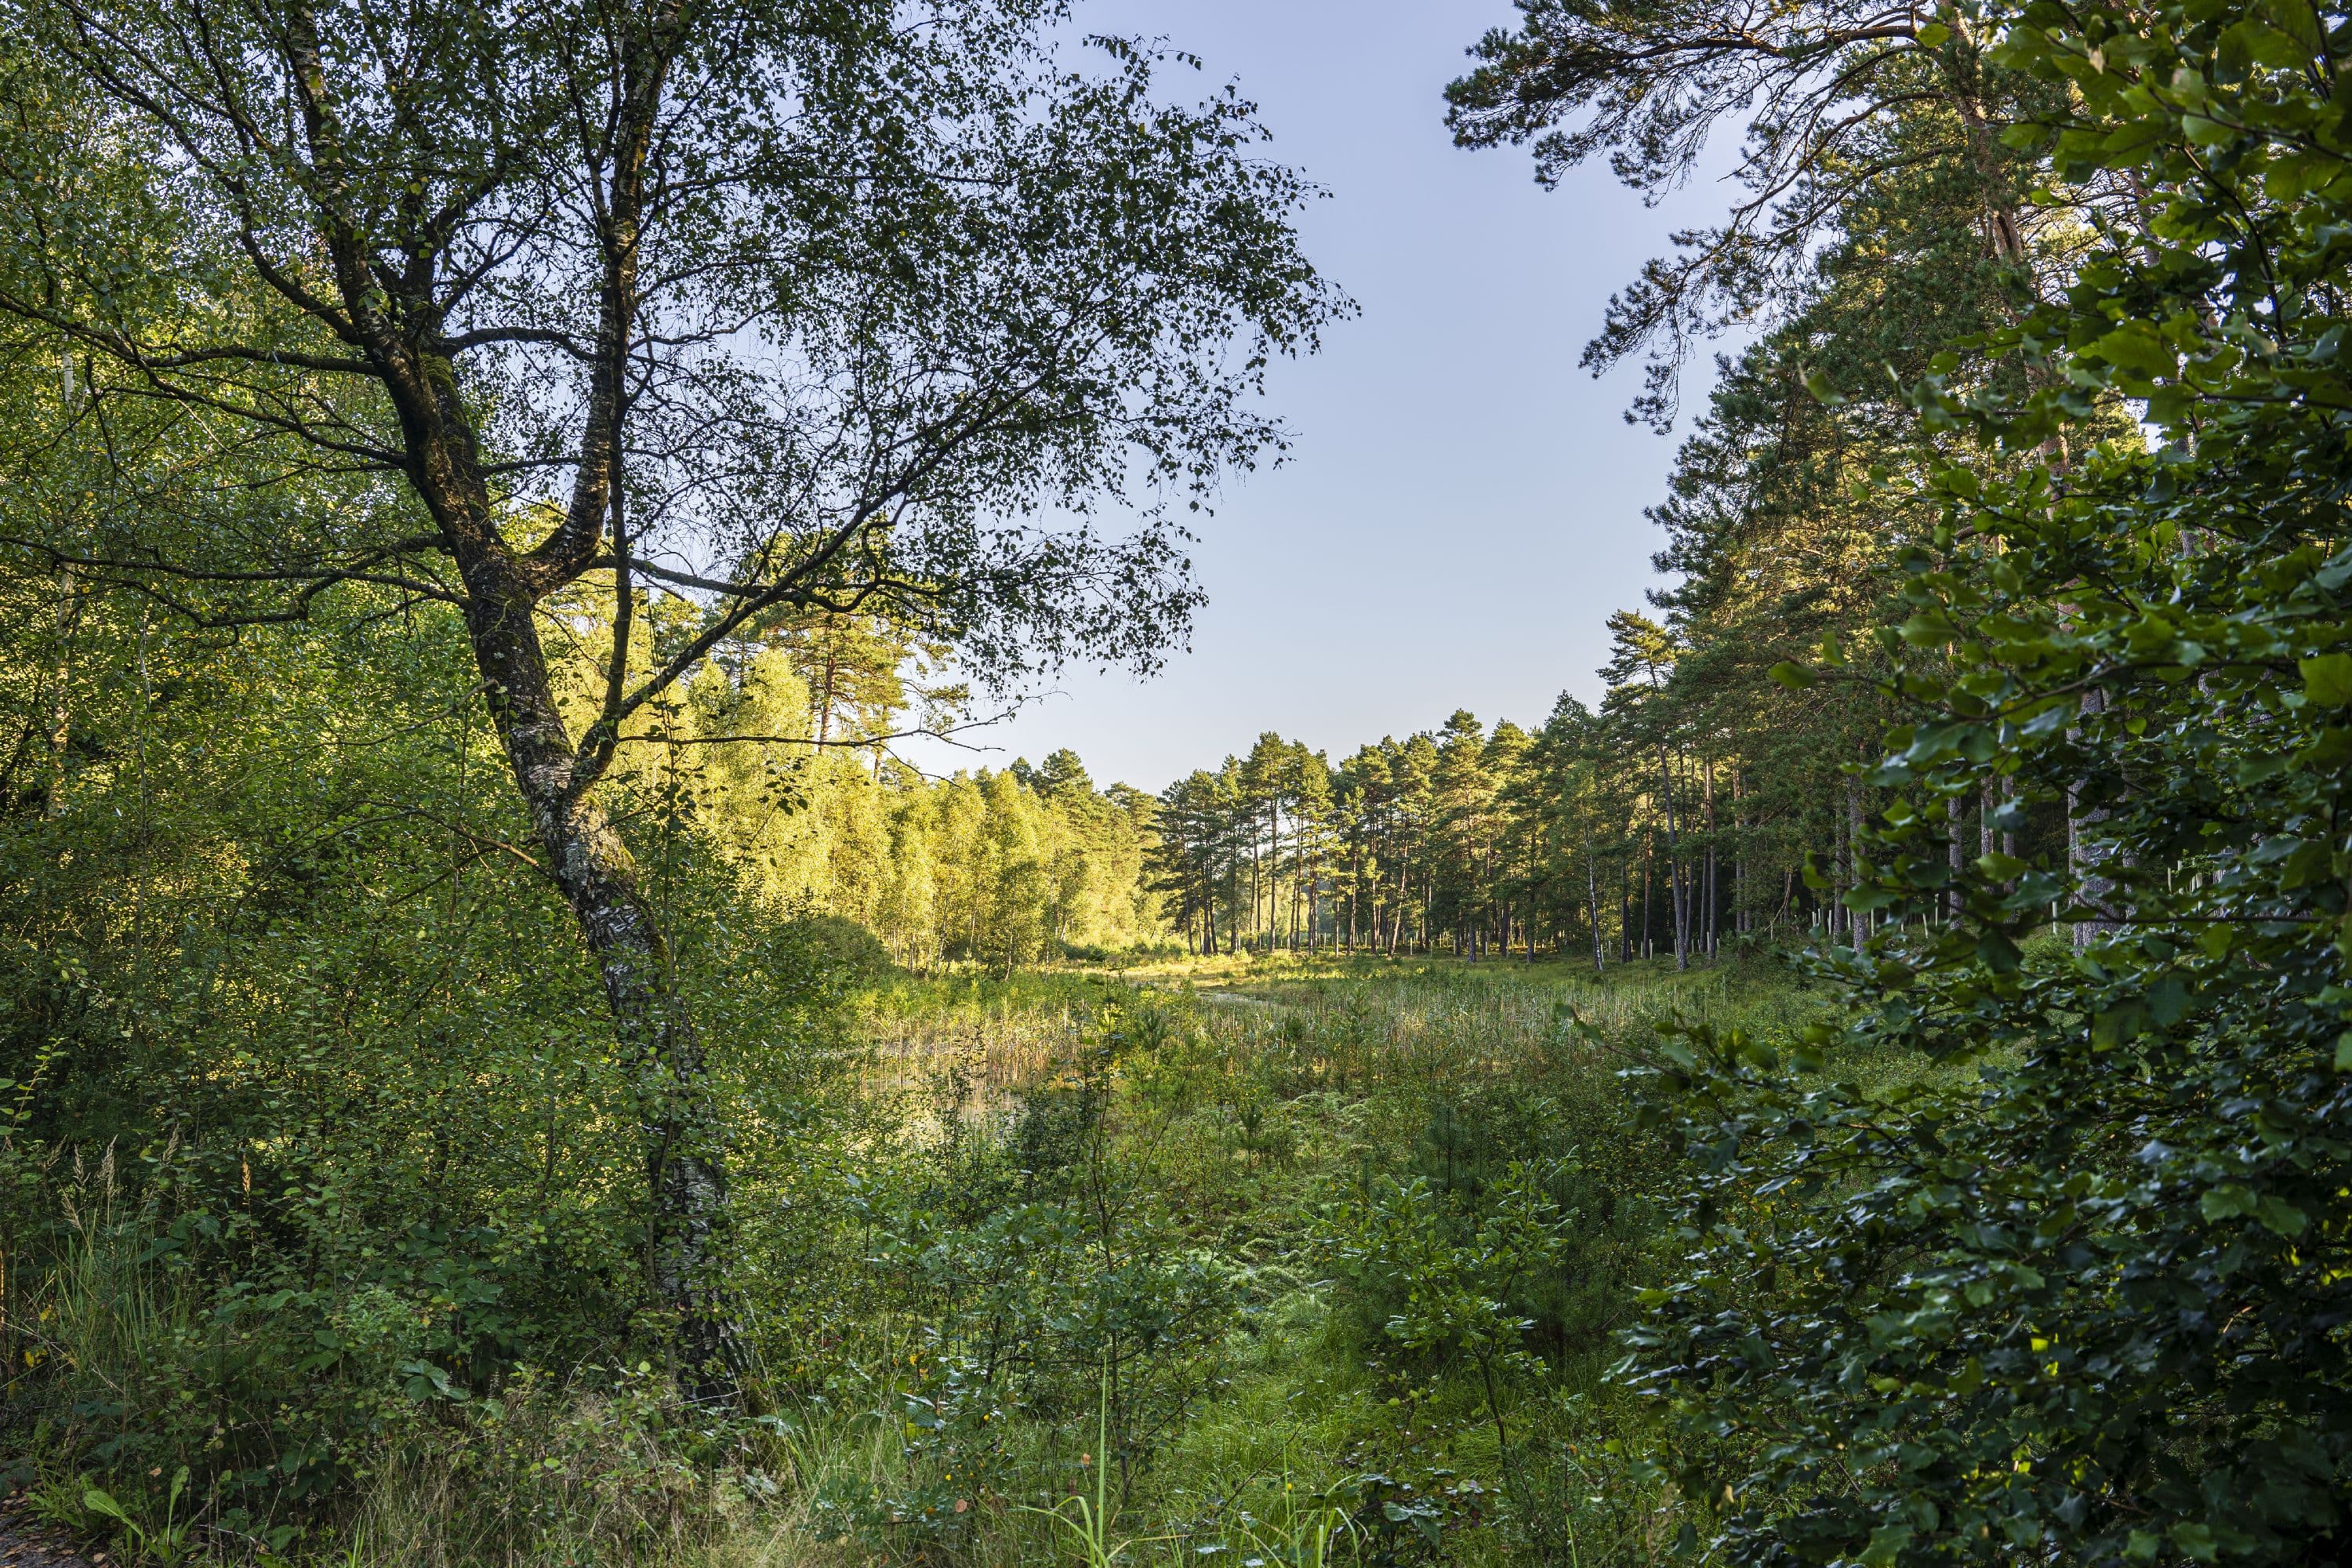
[
  {"x": 1625, "y": 913},
  {"x": 1742, "y": 917},
  {"x": 1355, "y": 879},
  {"x": 1834, "y": 912},
  {"x": 1648, "y": 923},
  {"x": 1707, "y": 938},
  {"x": 2006, "y": 236},
  {"x": 1678, "y": 897},
  {"x": 1593, "y": 898}
]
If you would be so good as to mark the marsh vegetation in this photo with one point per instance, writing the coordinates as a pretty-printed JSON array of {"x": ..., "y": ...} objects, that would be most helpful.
[{"x": 1277, "y": 1252}]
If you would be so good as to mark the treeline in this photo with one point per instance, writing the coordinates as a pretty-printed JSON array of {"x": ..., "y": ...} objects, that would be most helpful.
[
  {"x": 994, "y": 867},
  {"x": 1650, "y": 827},
  {"x": 1714, "y": 794}
]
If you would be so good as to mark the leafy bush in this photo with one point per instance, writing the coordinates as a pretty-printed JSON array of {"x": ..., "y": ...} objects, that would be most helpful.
[{"x": 842, "y": 946}]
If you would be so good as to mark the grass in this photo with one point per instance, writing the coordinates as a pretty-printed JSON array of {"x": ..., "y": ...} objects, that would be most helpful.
[
  {"x": 1279, "y": 1084},
  {"x": 1154, "y": 1169}
]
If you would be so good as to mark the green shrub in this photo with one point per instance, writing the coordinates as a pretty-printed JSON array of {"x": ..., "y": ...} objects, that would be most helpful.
[{"x": 842, "y": 946}]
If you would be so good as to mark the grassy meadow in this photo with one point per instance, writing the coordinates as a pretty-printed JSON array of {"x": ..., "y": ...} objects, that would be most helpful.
[{"x": 1279, "y": 1260}]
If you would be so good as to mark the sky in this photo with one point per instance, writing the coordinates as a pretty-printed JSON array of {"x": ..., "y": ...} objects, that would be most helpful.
[{"x": 1461, "y": 506}]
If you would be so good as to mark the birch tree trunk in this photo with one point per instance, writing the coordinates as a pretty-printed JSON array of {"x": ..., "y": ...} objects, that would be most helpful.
[
  {"x": 2086, "y": 856},
  {"x": 677, "y": 1127},
  {"x": 60, "y": 717},
  {"x": 1954, "y": 816},
  {"x": 1854, "y": 925}
]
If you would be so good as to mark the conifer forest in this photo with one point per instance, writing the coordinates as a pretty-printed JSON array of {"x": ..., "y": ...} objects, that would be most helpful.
[{"x": 513, "y": 1053}]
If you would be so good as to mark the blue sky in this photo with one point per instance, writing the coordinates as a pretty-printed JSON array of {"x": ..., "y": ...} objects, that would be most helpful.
[{"x": 1462, "y": 506}]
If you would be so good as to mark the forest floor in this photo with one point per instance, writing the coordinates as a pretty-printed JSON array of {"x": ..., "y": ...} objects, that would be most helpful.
[{"x": 25, "y": 1543}]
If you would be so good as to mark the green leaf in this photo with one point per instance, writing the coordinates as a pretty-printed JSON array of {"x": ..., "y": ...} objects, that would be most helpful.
[
  {"x": 2195, "y": 1541},
  {"x": 2115, "y": 1025},
  {"x": 98, "y": 1502},
  {"x": 1886, "y": 1544},
  {"x": 1932, "y": 35},
  {"x": 2327, "y": 679},
  {"x": 2137, "y": 348},
  {"x": 2228, "y": 1201},
  {"x": 2205, "y": 132},
  {"x": 1929, "y": 628},
  {"x": 2295, "y": 21},
  {"x": 2280, "y": 1217},
  {"x": 1795, "y": 677}
]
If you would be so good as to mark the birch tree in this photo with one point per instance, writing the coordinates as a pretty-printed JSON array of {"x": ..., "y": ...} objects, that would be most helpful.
[{"x": 772, "y": 306}]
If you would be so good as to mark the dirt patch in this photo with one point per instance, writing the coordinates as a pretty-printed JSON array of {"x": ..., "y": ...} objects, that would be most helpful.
[{"x": 26, "y": 1543}]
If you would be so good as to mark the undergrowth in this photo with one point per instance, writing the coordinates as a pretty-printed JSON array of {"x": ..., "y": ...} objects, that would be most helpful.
[{"x": 1275, "y": 1260}]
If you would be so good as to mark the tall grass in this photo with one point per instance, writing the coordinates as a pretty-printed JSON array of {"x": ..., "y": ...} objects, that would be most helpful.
[
  {"x": 1251, "y": 1099},
  {"x": 125, "y": 1361},
  {"x": 1258, "y": 1090}
]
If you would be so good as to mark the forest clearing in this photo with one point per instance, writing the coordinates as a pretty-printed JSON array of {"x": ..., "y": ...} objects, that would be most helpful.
[
  {"x": 1194, "y": 1216},
  {"x": 545, "y": 1019}
]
